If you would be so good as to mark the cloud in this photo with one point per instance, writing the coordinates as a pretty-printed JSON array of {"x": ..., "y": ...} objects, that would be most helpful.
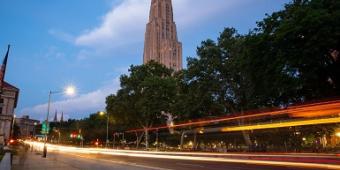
[
  {"x": 125, "y": 23},
  {"x": 51, "y": 53},
  {"x": 62, "y": 35},
  {"x": 119, "y": 26},
  {"x": 83, "y": 54},
  {"x": 79, "y": 106},
  {"x": 189, "y": 13}
]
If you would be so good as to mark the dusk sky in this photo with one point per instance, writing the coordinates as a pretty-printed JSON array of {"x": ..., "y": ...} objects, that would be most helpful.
[{"x": 89, "y": 44}]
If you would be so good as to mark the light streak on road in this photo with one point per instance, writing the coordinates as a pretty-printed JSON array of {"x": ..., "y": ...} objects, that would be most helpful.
[
  {"x": 282, "y": 124},
  {"x": 177, "y": 156},
  {"x": 312, "y": 110},
  {"x": 95, "y": 150}
]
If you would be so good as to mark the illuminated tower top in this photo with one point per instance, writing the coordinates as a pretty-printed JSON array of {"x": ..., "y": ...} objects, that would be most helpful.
[{"x": 161, "y": 42}]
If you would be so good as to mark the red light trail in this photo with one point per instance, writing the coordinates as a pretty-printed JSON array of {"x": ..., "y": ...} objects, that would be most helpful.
[{"x": 319, "y": 109}]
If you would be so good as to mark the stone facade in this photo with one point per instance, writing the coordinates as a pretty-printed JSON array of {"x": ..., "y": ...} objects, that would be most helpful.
[
  {"x": 26, "y": 126},
  {"x": 9, "y": 99},
  {"x": 161, "y": 42}
]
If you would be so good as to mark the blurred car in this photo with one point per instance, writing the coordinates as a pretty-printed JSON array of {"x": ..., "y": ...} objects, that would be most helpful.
[{"x": 13, "y": 142}]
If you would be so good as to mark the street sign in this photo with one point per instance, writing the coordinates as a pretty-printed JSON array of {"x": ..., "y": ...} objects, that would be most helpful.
[{"x": 45, "y": 128}]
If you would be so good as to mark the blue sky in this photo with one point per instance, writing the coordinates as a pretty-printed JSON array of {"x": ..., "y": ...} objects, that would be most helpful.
[{"x": 89, "y": 44}]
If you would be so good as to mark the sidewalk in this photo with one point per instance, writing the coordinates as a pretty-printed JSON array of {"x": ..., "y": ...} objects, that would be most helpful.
[{"x": 31, "y": 160}]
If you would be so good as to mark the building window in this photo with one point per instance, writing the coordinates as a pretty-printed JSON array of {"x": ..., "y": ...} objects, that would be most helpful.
[{"x": 1, "y": 105}]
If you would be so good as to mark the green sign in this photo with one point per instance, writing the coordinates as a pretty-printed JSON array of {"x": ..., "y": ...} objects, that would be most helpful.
[{"x": 45, "y": 128}]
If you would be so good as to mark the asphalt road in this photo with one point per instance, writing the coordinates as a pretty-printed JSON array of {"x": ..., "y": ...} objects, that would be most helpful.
[{"x": 103, "y": 162}]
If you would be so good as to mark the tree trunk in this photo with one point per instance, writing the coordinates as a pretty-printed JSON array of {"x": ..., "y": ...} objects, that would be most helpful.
[
  {"x": 182, "y": 139},
  {"x": 195, "y": 141},
  {"x": 246, "y": 138},
  {"x": 146, "y": 138},
  {"x": 245, "y": 134},
  {"x": 139, "y": 139}
]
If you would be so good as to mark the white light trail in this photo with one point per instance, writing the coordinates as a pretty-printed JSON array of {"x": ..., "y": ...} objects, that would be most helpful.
[{"x": 180, "y": 156}]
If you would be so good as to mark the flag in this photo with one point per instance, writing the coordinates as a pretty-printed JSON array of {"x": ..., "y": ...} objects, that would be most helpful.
[{"x": 3, "y": 68}]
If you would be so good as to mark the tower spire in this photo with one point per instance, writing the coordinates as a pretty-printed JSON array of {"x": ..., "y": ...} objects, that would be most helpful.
[
  {"x": 3, "y": 68},
  {"x": 62, "y": 117},
  {"x": 161, "y": 43},
  {"x": 55, "y": 117}
]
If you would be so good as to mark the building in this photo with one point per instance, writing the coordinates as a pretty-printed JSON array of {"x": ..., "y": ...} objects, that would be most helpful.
[
  {"x": 161, "y": 42},
  {"x": 26, "y": 126},
  {"x": 8, "y": 100}
]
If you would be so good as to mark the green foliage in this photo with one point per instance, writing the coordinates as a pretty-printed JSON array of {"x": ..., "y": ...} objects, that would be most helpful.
[
  {"x": 292, "y": 56},
  {"x": 91, "y": 128},
  {"x": 296, "y": 45},
  {"x": 144, "y": 94}
]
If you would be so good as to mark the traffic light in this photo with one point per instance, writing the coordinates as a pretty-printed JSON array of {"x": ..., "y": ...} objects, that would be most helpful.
[
  {"x": 76, "y": 136},
  {"x": 73, "y": 135}
]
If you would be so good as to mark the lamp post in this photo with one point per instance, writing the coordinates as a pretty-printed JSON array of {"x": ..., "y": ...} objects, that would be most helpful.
[
  {"x": 107, "y": 127},
  {"x": 35, "y": 124},
  {"x": 68, "y": 91}
]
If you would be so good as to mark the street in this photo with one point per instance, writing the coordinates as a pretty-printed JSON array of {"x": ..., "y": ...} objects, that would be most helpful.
[
  {"x": 78, "y": 159},
  {"x": 60, "y": 160}
]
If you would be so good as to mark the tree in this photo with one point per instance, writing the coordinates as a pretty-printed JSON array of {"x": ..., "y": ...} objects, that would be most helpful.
[
  {"x": 149, "y": 90},
  {"x": 215, "y": 79},
  {"x": 292, "y": 56},
  {"x": 301, "y": 44}
]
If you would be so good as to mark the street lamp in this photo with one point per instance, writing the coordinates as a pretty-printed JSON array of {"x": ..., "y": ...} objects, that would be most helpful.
[
  {"x": 70, "y": 90},
  {"x": 107, "y": 127}
]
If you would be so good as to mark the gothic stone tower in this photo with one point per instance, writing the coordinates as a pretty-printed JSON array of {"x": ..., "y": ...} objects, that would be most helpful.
[{"x": 161, "y": 43}]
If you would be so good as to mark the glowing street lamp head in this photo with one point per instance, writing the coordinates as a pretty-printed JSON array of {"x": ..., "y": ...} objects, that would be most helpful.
[
  {"x": 70, "y": 90},
  {"x": 101, "y": 113}
]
